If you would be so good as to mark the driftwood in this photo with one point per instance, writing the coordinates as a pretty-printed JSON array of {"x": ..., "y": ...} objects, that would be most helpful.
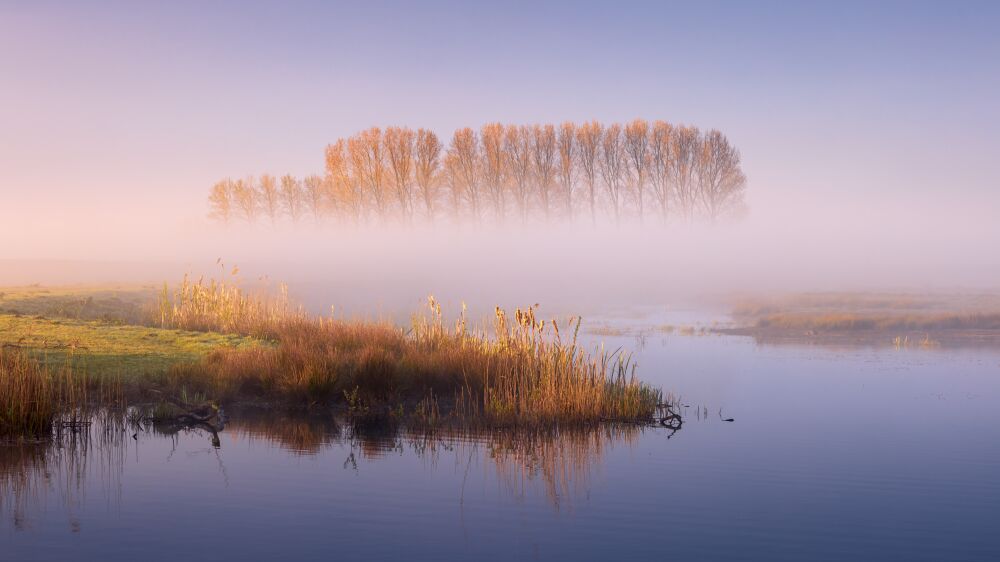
[
  {"x": 207, "y": 416},
  {"x": 665, "y": 417}
]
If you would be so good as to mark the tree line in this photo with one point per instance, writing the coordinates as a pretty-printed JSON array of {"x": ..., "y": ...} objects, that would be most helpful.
[{"x": 502, "y": 172}]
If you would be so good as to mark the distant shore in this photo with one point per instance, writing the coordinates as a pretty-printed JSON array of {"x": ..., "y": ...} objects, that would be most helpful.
[{"x": 881, "y": 319}]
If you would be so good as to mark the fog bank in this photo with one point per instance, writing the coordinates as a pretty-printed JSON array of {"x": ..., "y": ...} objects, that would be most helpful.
[{"x": 795, "y": 246}]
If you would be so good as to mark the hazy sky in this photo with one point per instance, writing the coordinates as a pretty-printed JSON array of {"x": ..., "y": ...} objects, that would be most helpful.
[{"x": 116, "y": 117}]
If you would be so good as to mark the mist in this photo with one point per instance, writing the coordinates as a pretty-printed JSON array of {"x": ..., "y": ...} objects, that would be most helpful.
[{"x": 845, "y": 245}]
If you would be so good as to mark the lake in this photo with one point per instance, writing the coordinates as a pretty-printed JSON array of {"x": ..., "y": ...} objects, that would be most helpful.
[{"x": 852, "y": 453}]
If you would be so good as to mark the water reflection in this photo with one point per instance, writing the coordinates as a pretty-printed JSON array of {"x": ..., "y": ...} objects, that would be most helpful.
[
  {"x": 558, "y": 463},
  {"x": 59, "y": 475},
  {"x": 88, "y": 460}
]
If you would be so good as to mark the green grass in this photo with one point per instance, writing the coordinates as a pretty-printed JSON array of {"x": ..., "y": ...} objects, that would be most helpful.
[
  {"x": 121, "y": 304},
  {"x": 101, "y": 348},
  {"x": 217, "y": 340}
]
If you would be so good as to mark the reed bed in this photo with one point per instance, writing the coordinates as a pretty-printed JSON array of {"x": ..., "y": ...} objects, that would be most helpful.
[
  {"x": 33, "y": 399},
  {"x": 522, "y": 372},
  {"x": 221, "y": 306},
  {"x": 881, "y": 322},
  {"x": 852, "y": 312},
  {"x": 27, "y": 396}
]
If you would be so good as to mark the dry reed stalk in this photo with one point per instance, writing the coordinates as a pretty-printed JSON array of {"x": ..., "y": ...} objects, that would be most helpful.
[
  {"x": 32, "y": 398},
  {"x": 524, "y": 373}
]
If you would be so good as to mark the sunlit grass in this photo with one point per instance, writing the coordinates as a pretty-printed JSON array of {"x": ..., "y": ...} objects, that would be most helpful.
[
  {"x": 883, "y": 312},
  {"x": 217, "y": 340},
  {"x": 31, "y": 396},
  {"x": 885, "y": 322},
  {"x": 102, "y": 349},
  {"x": 221, "y": 306},
  {"x": 523, "y": 371},
  {"x": 110, "y": 304}
]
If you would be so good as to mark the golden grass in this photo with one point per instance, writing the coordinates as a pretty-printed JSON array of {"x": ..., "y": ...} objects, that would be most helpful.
[
  {"x": 523, "y": 373},
  {"x": 225, "y": 307},
  {"x": 205, "y": 338},
  {"x": 883, "y": 312},
  {"x": 28, "y": 399},
  {"x": 31, "y": 397},
  {"x": 884, "y": 322}
]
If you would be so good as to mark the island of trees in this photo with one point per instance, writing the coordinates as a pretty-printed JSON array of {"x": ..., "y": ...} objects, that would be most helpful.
[{"x": 588, "y": 172}]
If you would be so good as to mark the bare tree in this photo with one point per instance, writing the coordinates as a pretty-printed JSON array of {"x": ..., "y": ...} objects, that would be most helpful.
[
  {"x": 291, "y": 197},
  {"x": 494, "y": 166},
  {"x": 368, "y": 161},
  {"x": 589, "y": 138},
  {"x": 613, "y": 167},
  {"x": 567, "y": 163},
  {"x": 270, "y": 197},
  {"x": 685, "y": 145},
  {"x": 453, "y": 178},
  {"x": 220, "y": 200},
  {"x": 399, "y": 145},
  {"x": 541, "y": 168},
  {"x": 315, "y": 196},
  {"x": 345, "y": 192},
  {"x": 464, "y": 155},
  {"x": 245, "y": 196},
  {"x": 428, "y": 161},
  {"x": 543, "y": 156},
  {"x": 517, "y": 151},
  {"x": 661, "y": 163},
  {"x": 721, "y": 182},
  {"x": 637, "y": 148}
]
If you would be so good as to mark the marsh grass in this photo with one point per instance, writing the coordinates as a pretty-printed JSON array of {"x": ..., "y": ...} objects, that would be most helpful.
[
  {"x": 880, "y": 322},
  {"x": 225, "y": 307},
  {"x": 34, "y": 401},
  {"x": 28, "y": 396},
  {"x": 524, "y": 371},
  {"x": 217, "y": 340},
  {"x": 847, "y": 312},
  {"x": 609, "y": 331},
  {"x": 901, "y": 342}
]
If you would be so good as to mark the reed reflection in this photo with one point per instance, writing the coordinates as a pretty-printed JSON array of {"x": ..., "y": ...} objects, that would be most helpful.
[
  {"x": 87, "y": 459},
  {"x": 59, "y": 475}
]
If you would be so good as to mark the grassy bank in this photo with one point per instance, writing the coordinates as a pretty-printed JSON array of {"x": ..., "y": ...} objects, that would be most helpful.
[
  {"x": 34, "y": 399},
  {"x": 219, "y": 342},
  {"x": 119, "y": 304},
  {"x": 523, "y": 371},
  {"x": 888, "y": 318},
  {"x": 103, "y": 348}
]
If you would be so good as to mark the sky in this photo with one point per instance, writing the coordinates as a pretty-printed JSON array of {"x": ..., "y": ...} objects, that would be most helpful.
[{"x": 854, "y": 119}]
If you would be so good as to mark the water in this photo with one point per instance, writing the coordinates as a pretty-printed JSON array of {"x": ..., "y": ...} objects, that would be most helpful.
[{"x": 864, "y": 453}]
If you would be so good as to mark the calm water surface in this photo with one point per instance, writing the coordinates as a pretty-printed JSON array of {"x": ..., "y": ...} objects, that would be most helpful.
[{"x": 834, "y": 454}]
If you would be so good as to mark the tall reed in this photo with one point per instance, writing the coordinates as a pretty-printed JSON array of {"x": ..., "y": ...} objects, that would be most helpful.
[
  {"x": 522, "y": 373},
  {"x": 32, "y": 398},
  {"x": 26, "y": 396},
  {"x": 526, "y": 373},
  {"x": 221, "y": 306}
]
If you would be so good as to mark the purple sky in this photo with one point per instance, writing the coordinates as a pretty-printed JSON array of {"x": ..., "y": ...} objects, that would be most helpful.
[{"x": 116, "y": 117}]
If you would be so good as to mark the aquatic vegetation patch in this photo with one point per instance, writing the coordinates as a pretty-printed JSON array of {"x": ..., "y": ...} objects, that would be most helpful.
[
  {"x": 32, "y": 398},
  {"x": 523, "y": 372},
  {"x": 221, "y": 343}
]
